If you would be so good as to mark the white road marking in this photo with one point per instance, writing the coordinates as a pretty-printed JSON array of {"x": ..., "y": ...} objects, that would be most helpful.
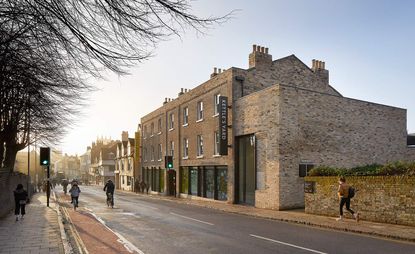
[
  {"x": 288, "y": 244},
  {"x": 121, "y": 239},
  {"x": 151, "y": 207},
  {"x": 189, "y": 218}
]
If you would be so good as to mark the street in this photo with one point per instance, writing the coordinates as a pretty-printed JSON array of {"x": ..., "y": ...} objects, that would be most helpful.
[{"x": 161, "y": 226}]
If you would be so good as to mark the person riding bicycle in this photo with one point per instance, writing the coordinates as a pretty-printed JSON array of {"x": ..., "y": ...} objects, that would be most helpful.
[
  {"x": 75, "y": 191},
  {"x": 65, "y": 185},
  {"x": 109, "y": 190}
]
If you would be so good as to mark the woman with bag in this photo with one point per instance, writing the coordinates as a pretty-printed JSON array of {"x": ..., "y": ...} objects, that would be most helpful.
[{"x": 20, "y": 197}]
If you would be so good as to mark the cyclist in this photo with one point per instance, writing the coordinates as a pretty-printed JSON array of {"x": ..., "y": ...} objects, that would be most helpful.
[
  {"x": 75, "y": 191},
  {"x": 109, "y": 190},
  {"x": 65, "y": 185}
]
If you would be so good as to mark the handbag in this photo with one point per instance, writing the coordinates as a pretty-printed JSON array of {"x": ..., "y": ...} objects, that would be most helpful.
[{"x": 22, "y": 202}]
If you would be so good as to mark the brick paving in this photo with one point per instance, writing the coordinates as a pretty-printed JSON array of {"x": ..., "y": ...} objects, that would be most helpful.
[{"x": 37, "y": 233}]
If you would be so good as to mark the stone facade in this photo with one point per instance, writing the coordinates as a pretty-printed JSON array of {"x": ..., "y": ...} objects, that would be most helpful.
[
  {"x": 389, "y": 199},
  {"x": 296, "y": 118}
]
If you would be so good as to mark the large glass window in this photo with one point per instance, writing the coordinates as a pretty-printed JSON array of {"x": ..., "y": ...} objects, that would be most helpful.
[
  {"x": 222, "y": 183},
  {"x": 185, "y": 148},
  {"x": 209, "y": 182},
  {"x": 216, "y": 104},
  {"x": 186, "y": 116},
  {"x": 194, "y": 181},
  {"x": 200, "y": 110},
  {"x": 199, "y": 145},
  {"x": 184, "y": 180}
]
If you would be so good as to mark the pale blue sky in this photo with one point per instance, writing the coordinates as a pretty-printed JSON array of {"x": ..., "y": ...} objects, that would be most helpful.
[{"x": 368, "y": 47}]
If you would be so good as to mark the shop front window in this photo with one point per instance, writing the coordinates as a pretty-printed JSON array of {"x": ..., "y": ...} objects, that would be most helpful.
[
  {"x": 209, "y": 183},
  {"x": 184, "y": 180},
  {"x": 194, "y": 180},
  {"x": 222, "y": 183}
]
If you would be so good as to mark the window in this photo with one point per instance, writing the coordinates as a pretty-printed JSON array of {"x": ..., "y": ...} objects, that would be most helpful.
[
  {"x": 145, "y": 132},
  {"x": 145, "y": 154},
  {"x": 123, "y": 180},
  {"x": 159, "y": 125},
  {"x": 160, "y": 152},
  {"x": 184, "y": 180},
  {"x": 200, "y": 111},
  {"x": 216, "y": 104},
  {"x": 152, "y": 153},
  {"x": 129, "y": 164},
  {"x": 172, "y": 148},
  {"x": 209, "y": 182},
  {"x": 194, "y": 181},
  {"x": 185, "y": 116},
  {"x": 222, "y": 183},
  {"x": 216, "y": 144},
  {"x": 199, "y": 145},
  {"x": 152, "y": 129},
  {"x": 171, "y": 121},
  {"x": 304, "y": 168},
  {"x": 185, "y": 148}
]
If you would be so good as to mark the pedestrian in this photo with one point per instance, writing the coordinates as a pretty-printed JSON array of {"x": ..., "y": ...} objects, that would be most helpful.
[
  {"x": 343, "y": 193},
  {"x": 20, "y": 198},
  {"x": 75, "y": 191},
  {"x": 142, "y": 186},
  {"x": 136, "y": 186}
]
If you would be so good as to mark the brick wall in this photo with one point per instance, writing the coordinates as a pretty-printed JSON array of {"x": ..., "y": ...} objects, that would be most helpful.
[{"x": 389, "y": 199}]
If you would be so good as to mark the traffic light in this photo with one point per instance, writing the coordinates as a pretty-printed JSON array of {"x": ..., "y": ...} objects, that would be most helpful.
[
  {"x": 168, "y": 162},
  {"x": 44, "y": 156}
]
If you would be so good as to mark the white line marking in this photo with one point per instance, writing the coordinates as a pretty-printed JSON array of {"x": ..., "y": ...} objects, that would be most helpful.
[
  {"x": 189, "y": 218},
  {"x": 288, "y": 244},
  {"x": 151, "y": 207}
]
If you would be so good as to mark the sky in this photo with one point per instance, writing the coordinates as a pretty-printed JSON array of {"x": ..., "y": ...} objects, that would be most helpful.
[{"x": 368, "y": 48}]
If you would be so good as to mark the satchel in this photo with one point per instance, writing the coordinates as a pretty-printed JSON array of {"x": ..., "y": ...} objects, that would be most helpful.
[{"x": 22, "y": 202}]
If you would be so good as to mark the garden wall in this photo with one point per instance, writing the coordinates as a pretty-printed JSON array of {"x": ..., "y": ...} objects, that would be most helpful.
[
  {"x": 388, "y": 199},
  {"x": 8, "y": 183}
]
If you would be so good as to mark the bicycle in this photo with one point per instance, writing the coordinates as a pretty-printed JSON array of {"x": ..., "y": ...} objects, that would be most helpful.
[
  {"x": 75, "y": 203},
  {"x": 110, "y": 200}
]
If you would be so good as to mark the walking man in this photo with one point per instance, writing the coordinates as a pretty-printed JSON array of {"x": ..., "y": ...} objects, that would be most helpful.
[{"x": 343, "y": 193}]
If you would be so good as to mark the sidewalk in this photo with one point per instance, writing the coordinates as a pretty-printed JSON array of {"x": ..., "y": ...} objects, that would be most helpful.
[
  {"x": 37, "y": 233},
  {"x": 392, "y": 231}
]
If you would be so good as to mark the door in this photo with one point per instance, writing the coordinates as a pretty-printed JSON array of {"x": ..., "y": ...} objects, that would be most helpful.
[
  {"x": 172, "y": 182},
  {"x": 245, "y": 170}
]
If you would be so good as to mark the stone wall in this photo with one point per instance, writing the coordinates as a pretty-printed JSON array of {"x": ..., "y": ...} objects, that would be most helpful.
[
  {"x": 388, "y": 199},
  {"x": 8, "y": 183}
]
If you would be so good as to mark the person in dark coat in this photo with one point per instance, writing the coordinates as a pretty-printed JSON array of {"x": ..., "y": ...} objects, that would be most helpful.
[{"x": 20, "y": 198}]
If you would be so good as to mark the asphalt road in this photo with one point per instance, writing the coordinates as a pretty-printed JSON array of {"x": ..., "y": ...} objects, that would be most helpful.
[{"x": 160, "y": 226}]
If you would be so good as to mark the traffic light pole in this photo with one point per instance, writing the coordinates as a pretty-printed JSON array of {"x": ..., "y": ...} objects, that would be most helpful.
[{"x": 48, "y": 187}]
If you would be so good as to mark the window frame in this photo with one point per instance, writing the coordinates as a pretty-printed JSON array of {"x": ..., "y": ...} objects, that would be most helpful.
[
  {"x": 216, "y": 104},
  {"x": 185, "y": 116},
  {"x": 200, "y": 111},
  {"x": 185, "y": 148},
  {"x": 199, "y": 142}
]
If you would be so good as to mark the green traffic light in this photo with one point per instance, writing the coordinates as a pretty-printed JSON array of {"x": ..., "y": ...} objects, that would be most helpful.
[
  {"x": 45, "y": 162},
  {"x": 170, "y": 165}
]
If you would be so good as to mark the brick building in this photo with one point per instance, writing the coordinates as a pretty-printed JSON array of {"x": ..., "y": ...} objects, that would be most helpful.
[{"x": 284, "y": 118}]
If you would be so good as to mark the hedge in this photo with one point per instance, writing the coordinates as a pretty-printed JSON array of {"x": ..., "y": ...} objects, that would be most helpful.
[{"x": 394, "y": 168}]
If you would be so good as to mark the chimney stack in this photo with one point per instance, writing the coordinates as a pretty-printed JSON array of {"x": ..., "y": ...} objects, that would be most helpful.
[
  {"x": 259, "y": 58},
  {"x": 319, "y": 67},
  {"x": 181, "y": 92},
  {"x": 165, "y": 101}
]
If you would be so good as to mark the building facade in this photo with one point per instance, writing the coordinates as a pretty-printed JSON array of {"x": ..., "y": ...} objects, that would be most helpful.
[
  {"x": 283, "y": 119},
  {"x": 125, "y": 163}
]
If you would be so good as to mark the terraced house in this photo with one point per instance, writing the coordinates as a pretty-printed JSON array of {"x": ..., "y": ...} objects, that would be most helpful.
[
  {"x": 283, "y": 118},
  {"x": 125, "y": 163}
]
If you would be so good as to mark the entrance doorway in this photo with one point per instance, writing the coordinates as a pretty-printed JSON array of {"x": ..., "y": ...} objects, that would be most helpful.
[
  {"x": 245, "y": 170},
  {"x": 171, "y": 176}
]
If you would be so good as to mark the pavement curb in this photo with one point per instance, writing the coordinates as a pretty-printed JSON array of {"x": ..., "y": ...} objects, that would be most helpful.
[
  {"x": 78, "y": 241},
  {"x": 66, "y": 245},
  {"x": 287, "y": 220}
]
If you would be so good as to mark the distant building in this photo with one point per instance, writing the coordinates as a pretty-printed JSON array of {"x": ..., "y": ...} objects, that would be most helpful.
[
  {"x": 283, "y": 118},
  {"x": 85, "y": 164},
  {"x": 124, "y": 163},
  {"x": 102, "y": 165}
]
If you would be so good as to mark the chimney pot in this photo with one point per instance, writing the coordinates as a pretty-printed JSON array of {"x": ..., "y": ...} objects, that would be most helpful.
[
  {"x": 254, "y": 48},
  {"x": 266, "y": 50},
  {"x": 220, "y": 70},
  {"x": 258, "y": 48},
  {"x": 262, "y": 49},
  {"x": 323, "y": 65},
  {"x": 215, "y": 70}
]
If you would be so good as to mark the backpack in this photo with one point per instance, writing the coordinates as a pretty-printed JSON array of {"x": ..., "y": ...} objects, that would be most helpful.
[{"x": 352, "y": 192}]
